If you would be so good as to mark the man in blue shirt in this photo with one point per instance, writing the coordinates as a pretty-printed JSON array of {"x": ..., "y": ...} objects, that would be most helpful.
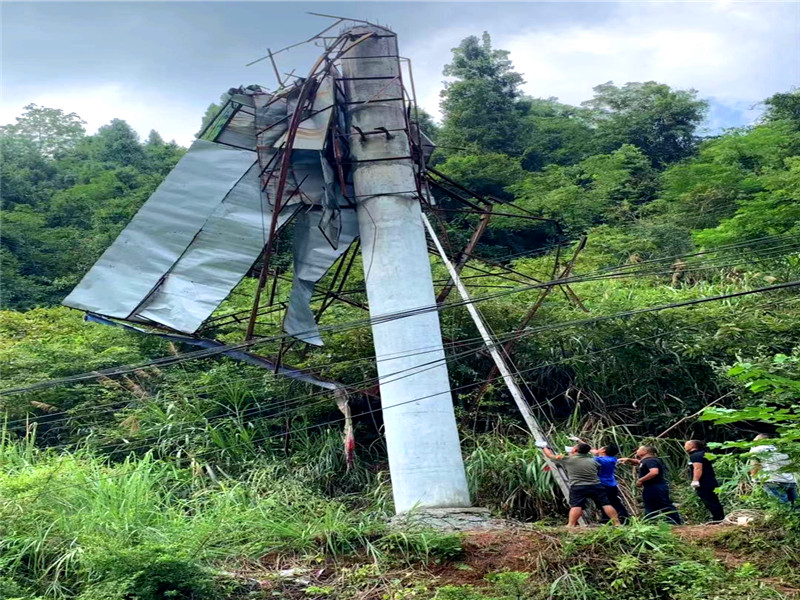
[{"x": 606, "y": 457}]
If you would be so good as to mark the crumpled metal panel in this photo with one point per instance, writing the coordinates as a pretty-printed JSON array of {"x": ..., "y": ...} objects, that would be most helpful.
[
  {"x": 204, "y": 227},
  {"x": 240, "y": 130},
  {"x": 330, "y": 222},
  {"x": 218, "y": 258},
  {"x": 313, "y": 130},
  {"x": 306, "y": 180},
  {"x": 313, "y": 256},
  {"x": 234, "y": 124},
  {"x": 134, "y": 265},
  {"x": 271, "y": 122},
  {"x": 214, "y": 128}
]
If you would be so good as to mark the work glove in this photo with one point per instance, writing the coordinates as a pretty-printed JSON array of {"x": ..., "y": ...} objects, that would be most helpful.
[
  {"x": 695, "y": 484},
  {"x": 542, "y": 444}
]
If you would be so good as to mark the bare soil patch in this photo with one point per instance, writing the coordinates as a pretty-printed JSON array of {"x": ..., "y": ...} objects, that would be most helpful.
[{"x": 493, "y": 551}]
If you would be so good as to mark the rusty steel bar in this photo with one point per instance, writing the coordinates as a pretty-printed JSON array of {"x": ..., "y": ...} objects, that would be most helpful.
[
  {"x": 464, "y": 256},
  {"x": 509, "y": 346}
]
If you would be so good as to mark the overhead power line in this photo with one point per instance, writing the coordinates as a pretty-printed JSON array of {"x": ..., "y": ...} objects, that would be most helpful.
[
  {"x": 522, "y": 334},
  {"x": 335, "y": 421},
  {"x": 369, "y": 359},
  {"x": 204, "y": 353}
]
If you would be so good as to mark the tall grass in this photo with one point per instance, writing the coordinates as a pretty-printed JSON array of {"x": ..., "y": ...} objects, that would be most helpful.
[
  {"x": 510, "y": 477},
  {"x": 78, "y": 526},
  {"x": 73, "y": 518}
]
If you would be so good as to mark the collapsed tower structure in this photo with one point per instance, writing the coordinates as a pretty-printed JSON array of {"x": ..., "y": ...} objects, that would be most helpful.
[
  {"x": 339, "y": 155},
  {"x": 421, "y": 435}
]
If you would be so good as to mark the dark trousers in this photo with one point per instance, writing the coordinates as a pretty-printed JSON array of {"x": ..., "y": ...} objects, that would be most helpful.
[
  {"x": 614, "y": 500},
  {"x": 783, "y": 492},
  {"x": 657, "y": 503},
  {"x": 711, "y": 500}
]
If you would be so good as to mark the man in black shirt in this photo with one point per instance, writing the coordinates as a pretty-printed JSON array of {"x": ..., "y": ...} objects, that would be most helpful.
[
  {"x": 703, "y": 478},
  {"x": 655, "y": 489}
]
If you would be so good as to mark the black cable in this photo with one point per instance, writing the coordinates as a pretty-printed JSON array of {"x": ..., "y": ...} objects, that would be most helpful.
[
  {"x": 308, "y": 428},
  {"x": 114, "y": 406},
  {"x": 433, "y": 364},
  {"x": 359, "y": 323},
  {"x": 343, "y": 327}
]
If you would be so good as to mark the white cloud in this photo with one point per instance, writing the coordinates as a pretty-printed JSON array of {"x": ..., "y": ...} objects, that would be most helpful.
[
  {"x": 172, "y": 115},
  {"x": 736, "y": 54}
]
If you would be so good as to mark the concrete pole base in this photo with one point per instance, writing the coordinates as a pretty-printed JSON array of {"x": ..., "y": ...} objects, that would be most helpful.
[{"x": 447, "y": 520}]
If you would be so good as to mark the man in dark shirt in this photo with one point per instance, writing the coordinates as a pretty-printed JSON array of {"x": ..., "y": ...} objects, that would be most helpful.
[
  {"x": 703, "y": 478},
  {"x": 584, "y": 483},
  {"x": 655, "y": 489}
]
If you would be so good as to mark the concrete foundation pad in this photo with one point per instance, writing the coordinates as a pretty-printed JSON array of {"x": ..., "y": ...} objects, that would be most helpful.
[{"x": 448, "y": 519}]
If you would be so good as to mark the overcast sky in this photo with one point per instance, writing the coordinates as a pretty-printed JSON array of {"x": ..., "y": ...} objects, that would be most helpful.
[{"x": 159, "y": 65}]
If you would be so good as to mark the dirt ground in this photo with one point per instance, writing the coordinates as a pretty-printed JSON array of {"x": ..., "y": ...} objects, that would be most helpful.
[
  {"x": 485, "y": 552},
  {"x": 499, "y": 550}
]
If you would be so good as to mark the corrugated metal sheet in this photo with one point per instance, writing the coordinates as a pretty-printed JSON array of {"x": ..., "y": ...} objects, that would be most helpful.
[
  {"x": 201, "y": 231},
  {"x": 135, "y": 264},
  {"x": 313, "y": 131},
  {"x": 313, "y": 256},
  {"x": 216, "y": 261},
  {"x": 240, "y": 130}
]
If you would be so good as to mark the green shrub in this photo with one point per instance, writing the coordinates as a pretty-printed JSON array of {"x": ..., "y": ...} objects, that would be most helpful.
[
  {"x": 510, "y": 477},
  {"x": 423, "y": 546},
  {"x": 459, "y": 592},
  {"x": 150, "y": 573}
]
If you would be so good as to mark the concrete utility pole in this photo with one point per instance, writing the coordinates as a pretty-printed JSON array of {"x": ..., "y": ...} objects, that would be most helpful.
[{"x": 424, "y": 451}]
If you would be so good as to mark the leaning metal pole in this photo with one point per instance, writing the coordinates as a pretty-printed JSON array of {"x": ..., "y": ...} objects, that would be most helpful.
[
  {"x": 425, "y": 460},
  {"x": 508, "y": 378}
]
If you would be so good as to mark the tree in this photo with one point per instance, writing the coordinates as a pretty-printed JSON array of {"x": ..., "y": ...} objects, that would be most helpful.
[
  {"x": 773, "y": 212},
  {"x": 25, "y": 175},
  {"x": 154, "y": 139},
  {"x": 772, "y": 386},
  {"x": 426, "y": 123},
  {"x": 50, "y": 129},
  {"x": 783, "y": 106},
  {"x": 651, "y": 116},
  {"x": 485, "y": 174},
  {"x": 211, "y": 112},
  {"x": 66, "y": 196},
  {"x": 161, "y": 157},
  {"x": 118, "y": 143},
  {"x": 556, "y": 133},
  {"x": 728, "y": 175},
  {"x": 605, "y": 188},
  {"x": 479, "y": 108}
]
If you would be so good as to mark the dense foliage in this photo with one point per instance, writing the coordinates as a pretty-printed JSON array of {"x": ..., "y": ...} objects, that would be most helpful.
[
  {"x": 66, "y": 196},
  {"x": 148, "y": 485}
]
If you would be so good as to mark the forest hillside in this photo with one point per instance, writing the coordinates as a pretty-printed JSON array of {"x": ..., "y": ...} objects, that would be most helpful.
[{"x": 210, "y": 478}]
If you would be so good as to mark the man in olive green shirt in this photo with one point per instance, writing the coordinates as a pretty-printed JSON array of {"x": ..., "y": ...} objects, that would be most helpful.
[{"x": 584, "y": 482}]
